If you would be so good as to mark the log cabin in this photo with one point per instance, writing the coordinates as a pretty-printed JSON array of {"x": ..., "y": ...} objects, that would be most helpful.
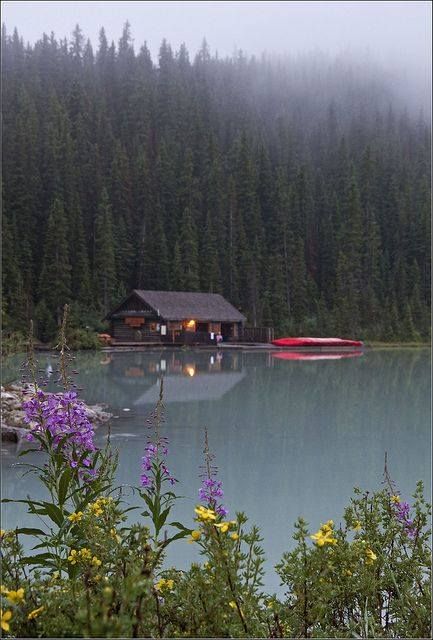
[{"x": 174, "y": 317}]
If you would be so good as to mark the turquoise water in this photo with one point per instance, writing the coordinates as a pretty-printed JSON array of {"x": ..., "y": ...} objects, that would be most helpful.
[{"x": 290, "y": 437}]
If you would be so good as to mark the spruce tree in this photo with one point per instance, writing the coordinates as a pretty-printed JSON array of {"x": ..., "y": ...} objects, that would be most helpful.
[
  {"x": 189, "y": 251},
  {"x": 104, "y": 264},
  {"x": 55, "y": 278}
]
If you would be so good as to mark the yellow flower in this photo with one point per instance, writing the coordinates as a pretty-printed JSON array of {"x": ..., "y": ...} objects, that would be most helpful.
[
  {"x": 223, "y": 526},
  {"x": 395, "y": 499},
  {"x": 163, "y": 584},
  {"x": 348, "y": 572},
  {"x": 96, "y": 562},
  {"x": 73, "y": 556},
  {"x": 195, "y": 536},
  {"x": 371, "y": 556},
  {"x": 85, "y": 554},
  {"x": 160, "y": 584},
  {"x": 321, "y": 538},
  {"x": 327, "y": 527},
  {"x": 115, "y": 536},
  {"x": 95, "y": 509},
  {"x": 324, "y": 535},
  {"x": 34, "y": 614},
  {"x": 75, "y": 517},
  {"x": 234, "y": 536},
  {"x": 2, "y": 532},
  {"x": 15, "y": 597},
  {"x": 357, "y": 526},
  {"x": 5, "y": 617},
  {"x": 232, "y": 604},
  {"x": 204, "y": 514}
]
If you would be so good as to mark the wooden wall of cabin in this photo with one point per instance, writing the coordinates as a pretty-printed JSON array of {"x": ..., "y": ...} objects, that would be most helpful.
[{"x": 133, "y": 329}]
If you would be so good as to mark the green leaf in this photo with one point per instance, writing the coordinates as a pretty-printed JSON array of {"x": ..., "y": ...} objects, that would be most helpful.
[
  {"x": 40, "y": 558},
  {"x": 54, "y": 513},
  {"x": 28, "y": 502},
  {"x": 177, "y": 536},
  {"x": 163, "y": 517},
  {"x": 25, "y": 452},
  {"x": 26, "y": 531},
  {"x": 64, "y": 482},
  {"x": 179, "y": 525}
]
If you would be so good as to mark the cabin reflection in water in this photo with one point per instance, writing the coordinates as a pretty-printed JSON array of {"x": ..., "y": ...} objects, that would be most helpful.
[{"x": 188, "y": 376}]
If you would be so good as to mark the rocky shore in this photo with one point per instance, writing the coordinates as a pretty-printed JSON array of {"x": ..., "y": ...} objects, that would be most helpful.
[{"x": 13, "y": 427}]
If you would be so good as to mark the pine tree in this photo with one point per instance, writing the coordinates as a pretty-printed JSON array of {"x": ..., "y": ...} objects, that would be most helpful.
[
  {"x": 189, "y": 251},
  {"x": 177, "y": 275},
  {"x": 209, "y": 270},
  {"x": 81, "y": 283},
  {"x": 104, "y": 265},
  {"x": 55, "y": 277}
]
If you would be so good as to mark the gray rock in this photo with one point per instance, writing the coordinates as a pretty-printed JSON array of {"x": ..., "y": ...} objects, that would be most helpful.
[{"x": 13, "y": 425}]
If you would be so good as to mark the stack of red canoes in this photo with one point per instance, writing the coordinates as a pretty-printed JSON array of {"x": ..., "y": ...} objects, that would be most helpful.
[{"x": 316, "y": 342}]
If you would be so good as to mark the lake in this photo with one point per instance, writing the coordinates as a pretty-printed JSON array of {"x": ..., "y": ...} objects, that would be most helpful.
[{"x": 291, "y": 437}]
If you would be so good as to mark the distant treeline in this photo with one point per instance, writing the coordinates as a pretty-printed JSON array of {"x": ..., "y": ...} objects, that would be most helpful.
[{"x": 299, "y": 189}]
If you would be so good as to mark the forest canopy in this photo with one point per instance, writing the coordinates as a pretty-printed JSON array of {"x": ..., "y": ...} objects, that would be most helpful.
[{"x": 299, "y": 188}]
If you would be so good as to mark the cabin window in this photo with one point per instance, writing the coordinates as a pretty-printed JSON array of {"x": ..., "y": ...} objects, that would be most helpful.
[
  {"x": 134, "y": 322},
  {"x": 175, "y": 326},
  {"x": 189, "y": 325}
]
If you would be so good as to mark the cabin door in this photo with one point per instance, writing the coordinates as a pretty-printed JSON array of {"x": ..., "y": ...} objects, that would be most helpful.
[{"x": 226, "y": 330}]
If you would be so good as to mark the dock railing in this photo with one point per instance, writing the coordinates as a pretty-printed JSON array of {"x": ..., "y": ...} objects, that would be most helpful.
[{"x": 255, "y": 334}]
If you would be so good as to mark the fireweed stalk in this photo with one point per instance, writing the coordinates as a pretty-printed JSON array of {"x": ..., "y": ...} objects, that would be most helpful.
[
  {"x": 59, "y": 421},
  {"x": 401, "y": 509},
  {"x": 156, "y": 480},
  {"x": 211, "y": 489}
]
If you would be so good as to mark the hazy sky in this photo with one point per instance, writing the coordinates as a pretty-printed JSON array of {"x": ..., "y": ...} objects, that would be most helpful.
[{"x": 387, "y": 29}]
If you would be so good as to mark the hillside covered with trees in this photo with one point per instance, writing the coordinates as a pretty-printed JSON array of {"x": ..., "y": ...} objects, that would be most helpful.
[{"x": 297, "y": 188}]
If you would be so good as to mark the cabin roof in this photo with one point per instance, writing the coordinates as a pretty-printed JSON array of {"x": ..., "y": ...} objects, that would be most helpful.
[{"x": 188, "y": 305}]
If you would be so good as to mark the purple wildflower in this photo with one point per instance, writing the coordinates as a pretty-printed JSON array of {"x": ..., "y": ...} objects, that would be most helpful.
[
  {"x": 211, "y": 489},
  {"x": 402, "y": 510},
  {"x": 155, "y": 453},
  {"x": 64, "y": 417},
  {"x": 156, "y": 449}
]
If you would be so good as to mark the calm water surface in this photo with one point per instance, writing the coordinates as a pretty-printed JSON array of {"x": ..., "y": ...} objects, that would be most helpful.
[{"x": 290, "y": 437}]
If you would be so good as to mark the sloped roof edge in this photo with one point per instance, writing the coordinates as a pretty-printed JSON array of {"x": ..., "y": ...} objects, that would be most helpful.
[{"x": 179, "y": 305}]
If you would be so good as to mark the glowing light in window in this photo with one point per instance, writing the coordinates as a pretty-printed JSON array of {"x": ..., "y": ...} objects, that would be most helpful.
[{"x": 190, "y": 370}]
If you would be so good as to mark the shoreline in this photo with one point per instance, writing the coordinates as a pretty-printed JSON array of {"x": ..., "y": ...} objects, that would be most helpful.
[{"x": 14, "y": 429}]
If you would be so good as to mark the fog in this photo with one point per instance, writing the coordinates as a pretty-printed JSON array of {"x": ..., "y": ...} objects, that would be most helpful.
[{"x": 394, "y": 35}]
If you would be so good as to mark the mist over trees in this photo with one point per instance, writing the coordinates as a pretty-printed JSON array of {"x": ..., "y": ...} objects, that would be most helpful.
[{"x": 297, "y": 188}]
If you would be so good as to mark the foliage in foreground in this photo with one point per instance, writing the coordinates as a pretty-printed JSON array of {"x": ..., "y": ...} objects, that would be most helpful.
[{"x": 91, "y": 574}]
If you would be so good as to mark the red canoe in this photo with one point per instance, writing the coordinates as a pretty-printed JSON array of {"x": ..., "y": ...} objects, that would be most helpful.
[
  {"x": 316, "y": 342},
  {"x": 301, "y": 355}
]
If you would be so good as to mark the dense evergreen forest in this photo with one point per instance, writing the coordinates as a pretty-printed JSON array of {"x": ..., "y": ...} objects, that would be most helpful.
[{"x": 297, "y": 188}]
